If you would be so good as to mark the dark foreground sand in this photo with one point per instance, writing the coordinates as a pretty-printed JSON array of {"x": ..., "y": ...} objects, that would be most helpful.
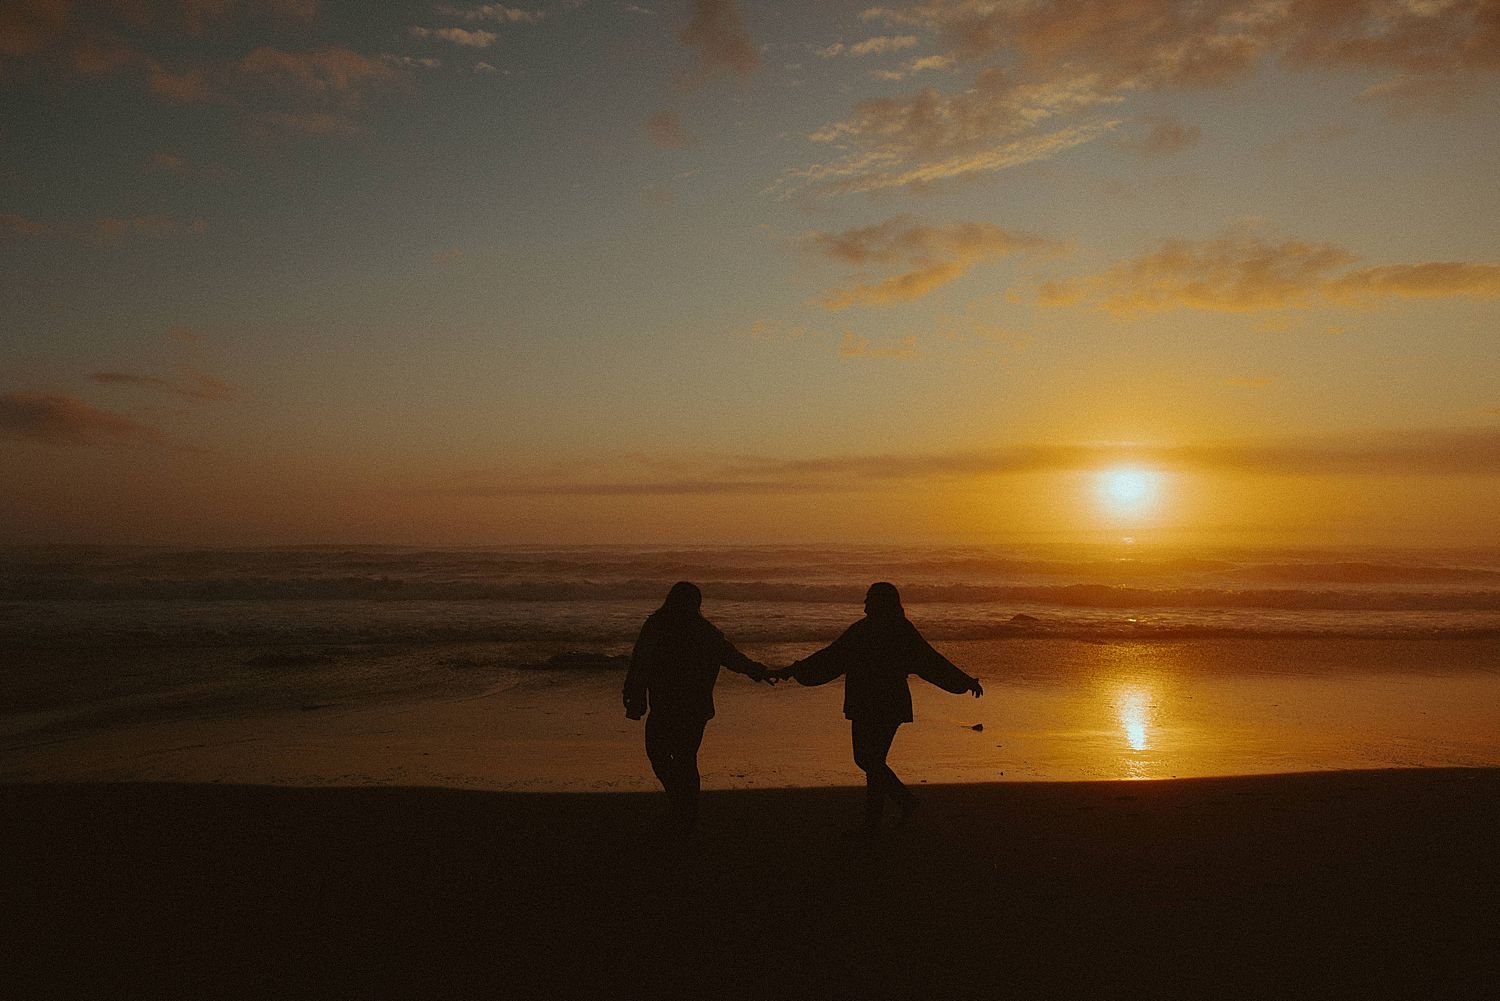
[{"x": 1331, "y": 885}]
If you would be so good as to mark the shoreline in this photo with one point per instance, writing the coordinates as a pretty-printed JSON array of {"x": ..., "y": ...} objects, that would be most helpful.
[{"x": 1360, "y": 884}]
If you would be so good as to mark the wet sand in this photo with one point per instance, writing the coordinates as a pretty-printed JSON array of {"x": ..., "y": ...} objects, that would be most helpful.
[{"x": 1379, "y": 884}]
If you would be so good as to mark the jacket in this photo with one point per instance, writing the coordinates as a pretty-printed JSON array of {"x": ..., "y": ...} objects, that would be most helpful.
[
  {"x": 875, "y": 655},
  {"x": 675, "y": 663}
]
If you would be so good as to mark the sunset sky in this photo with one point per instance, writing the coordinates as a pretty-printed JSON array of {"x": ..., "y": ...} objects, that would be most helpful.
[{"x": 705, "y": 271}]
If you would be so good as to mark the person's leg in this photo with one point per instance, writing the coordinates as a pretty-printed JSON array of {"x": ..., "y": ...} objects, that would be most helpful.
[
  {"x": 672, "y": 746},
  {"x": 689, "y": 739},
  {"x": 872, "y": 742},
  {"x": 659, "y": 750}
]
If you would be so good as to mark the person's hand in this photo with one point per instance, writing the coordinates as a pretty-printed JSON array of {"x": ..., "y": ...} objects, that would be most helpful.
[
  {"x": 766, "y": 675},
  {"x": 976, "y": 687},
  {"x": 781, "y": 674}
]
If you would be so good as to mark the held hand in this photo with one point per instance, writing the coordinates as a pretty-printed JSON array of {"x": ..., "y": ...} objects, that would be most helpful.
[{"x": 977, "y": 688}]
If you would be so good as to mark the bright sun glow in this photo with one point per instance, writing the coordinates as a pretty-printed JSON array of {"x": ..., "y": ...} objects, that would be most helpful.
[{"x": 1128, "y": 492}]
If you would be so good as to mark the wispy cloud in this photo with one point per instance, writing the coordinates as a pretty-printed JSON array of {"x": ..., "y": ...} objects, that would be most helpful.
[
  {"x": 870, "y": 46},
  {"x": 1243, "y": 272},
  {"x": 719, "y": 42},
  {"x": 1466, "y": 452},
  {"x": 12, "y": 224},
  {"x": 496, "y": 12},
  {"x": 931, "y": 136},
  {"x": 924, "y": 257},
  {"x": 190, "y": 384},
  {"x": 458, "y": 36},
  {"x": 1045, "y": 67},
  {"x": 67, "y": 420}
]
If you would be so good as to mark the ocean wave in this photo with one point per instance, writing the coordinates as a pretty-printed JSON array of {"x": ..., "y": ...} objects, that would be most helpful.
[{"x": 1074, "y": 595}]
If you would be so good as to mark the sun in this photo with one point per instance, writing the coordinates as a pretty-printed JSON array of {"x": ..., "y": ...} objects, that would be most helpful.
[{"x": 1126, "y": 493}]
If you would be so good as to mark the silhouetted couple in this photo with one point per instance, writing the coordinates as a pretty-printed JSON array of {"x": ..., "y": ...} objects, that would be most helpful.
[{"x": 677, "y": 659}]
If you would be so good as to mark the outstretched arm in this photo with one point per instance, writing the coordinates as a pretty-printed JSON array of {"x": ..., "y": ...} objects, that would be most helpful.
[
  {"x": 828, "y": 663},
  {"x": 731, "y": 658},
  {"x": 934, "y": 668}
]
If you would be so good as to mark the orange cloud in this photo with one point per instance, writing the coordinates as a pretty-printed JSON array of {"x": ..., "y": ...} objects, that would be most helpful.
[
  {"x": 1244, "y": 273},
  {"x": 1041, "y": 66},
  {"x": 1419, "y": 281},
  {"x": 66, "y": 420},
  {"x": 1434, "y": 452},
  {"x": 928, "y": 256},
  {"x": 1155, "y": 44},
  {"x": 719, "y": 42},
  {"x": 193, "y": 385},
  {"x": 19, "y": 225},
  {"x": 332, "y": 74}
]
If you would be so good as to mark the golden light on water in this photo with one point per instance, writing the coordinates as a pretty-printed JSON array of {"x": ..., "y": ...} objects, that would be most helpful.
[
  {"x": 1128, "y": 492},
  {"x": 1134, "y": 709}
]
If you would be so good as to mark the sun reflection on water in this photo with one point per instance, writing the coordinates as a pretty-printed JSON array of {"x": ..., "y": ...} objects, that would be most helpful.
[{"x": 1134, "y": 707}]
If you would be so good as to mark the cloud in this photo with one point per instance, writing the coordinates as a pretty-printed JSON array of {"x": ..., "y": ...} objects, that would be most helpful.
[
  {"x": 925, "y": 257},
  {"x": 1434, "y": 279},
  {"x": 191, "y": 384},
  {"x": 494, "y": 12},
  {"x": 1161, "y": 44},
  {"x": 1165, "y": 135},
  {"x": 458, "y": 36},
  {"x": 719, "y": 42},
  {"x": 1241, "y": 272},
  {"x": 1434, "y": 452},
  {"x": 932, "y": 136},
  {"x": 66, "y": 420},
  {"x": 870, "y": 46},
  {"x": 1040, "y": 66},
  {"x": 330, "y": 75},
  {"x": 12, "y": 224},
  {"x": 665, "y": 130},
  {"x": 855, "y": 346},
  {"x": 413, "y": 62}
]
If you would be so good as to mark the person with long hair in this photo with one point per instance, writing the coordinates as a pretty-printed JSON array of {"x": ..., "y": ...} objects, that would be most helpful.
[
  {"x": 874, "y": 656},
  {"x": 672, "y": 672}
]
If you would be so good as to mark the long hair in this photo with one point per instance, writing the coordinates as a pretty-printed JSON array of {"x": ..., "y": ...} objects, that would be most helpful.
[
  {"x": 883, "y": 601},
  {"x": 684, "y": 601}
]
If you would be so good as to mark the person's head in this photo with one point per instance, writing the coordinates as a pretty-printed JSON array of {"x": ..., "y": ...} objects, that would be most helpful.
[
  {"x": 883, "y": 601},
  {"x": 683, "y": 599}
]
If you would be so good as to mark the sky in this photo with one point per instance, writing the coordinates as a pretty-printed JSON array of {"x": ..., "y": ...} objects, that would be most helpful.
[{"x": 699, "y": 271}]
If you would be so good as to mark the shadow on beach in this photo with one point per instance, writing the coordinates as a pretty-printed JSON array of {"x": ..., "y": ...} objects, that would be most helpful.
[{"x": 1327, "y": 885}]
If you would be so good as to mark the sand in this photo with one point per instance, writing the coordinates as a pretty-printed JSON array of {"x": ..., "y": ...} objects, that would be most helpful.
[{"x": 1379, "y": 884}]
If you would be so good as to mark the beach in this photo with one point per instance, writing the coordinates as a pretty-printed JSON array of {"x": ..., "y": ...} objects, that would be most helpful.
[
  {"x": 1334, "y": 885},
  {"x": 217, "y": 781}
]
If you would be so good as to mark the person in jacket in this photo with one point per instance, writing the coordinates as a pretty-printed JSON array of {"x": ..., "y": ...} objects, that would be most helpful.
[
  {"x": 874, "y": 656},
  {"x": 673, "y": 668}
]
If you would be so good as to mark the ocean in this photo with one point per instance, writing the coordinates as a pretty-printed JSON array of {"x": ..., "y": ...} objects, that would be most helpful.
[
  {"x": 500, "y": 667},
  {"x": 592, "y": 598}
]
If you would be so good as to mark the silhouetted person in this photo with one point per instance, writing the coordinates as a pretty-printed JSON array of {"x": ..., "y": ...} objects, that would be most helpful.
[
  {"x": 672, "y": 672},
  {"x": 875, "y": 655}
]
